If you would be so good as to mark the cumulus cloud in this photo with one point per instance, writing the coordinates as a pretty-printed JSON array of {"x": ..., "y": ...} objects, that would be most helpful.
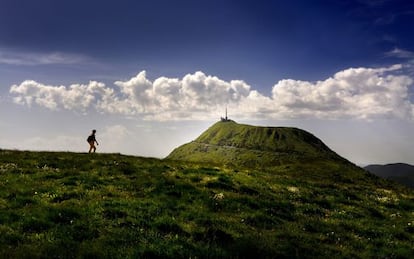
[
  {"x": 75, "y": 97},
  {"x": 351, "y": 93},
  {"x": 355, "y": 92},
  {"x": 166, "y": 97}
]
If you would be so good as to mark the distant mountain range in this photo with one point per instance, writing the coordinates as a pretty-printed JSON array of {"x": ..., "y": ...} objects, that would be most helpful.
[{"x": 399, "y": 172}]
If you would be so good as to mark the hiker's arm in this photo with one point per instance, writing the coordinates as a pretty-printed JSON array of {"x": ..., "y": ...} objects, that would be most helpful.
[{"x": 96, "y": 142}]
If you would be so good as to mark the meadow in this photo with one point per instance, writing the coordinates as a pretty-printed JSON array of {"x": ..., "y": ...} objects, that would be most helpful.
[{"x": 74, "y": 205}]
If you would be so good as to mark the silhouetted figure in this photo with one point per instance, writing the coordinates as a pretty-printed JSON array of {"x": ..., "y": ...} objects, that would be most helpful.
[{"x": 91, "y": 140}]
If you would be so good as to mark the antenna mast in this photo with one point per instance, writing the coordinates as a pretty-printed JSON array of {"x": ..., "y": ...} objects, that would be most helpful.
[{"x": 225, "y": 118}]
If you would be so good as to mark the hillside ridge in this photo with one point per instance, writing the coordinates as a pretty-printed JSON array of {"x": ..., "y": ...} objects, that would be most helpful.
[{"x": 227, "y": 142}]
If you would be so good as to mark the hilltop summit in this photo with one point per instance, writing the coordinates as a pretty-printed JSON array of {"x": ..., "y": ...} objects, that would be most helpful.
[{"x": 227, "y": 142}]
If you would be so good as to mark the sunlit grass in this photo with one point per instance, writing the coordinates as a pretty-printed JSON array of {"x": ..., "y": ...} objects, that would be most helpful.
[{"x": 113, "y": 206}]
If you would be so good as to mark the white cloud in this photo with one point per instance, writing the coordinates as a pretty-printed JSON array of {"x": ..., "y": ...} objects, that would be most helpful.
[
  {"x": 351, "y": 93},
  {"x": 115, "y": 133},
  {"x": 355, "y": 92},
  {"x": 400, "y": 53},
  {"x": 30, "y": 59},
  {"x": 194, "y": 96},
  {"x": 75, "y": 97},
  {"x": 112, "y": 137}
]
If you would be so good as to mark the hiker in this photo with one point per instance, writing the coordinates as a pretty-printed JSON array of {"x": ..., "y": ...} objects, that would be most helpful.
[{"x": 91, "y": 140}]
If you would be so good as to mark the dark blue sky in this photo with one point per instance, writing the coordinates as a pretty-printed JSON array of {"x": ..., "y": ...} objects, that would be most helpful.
[
  {"x": 257, "y": 41},
  {"x": 64, "y": 44}
]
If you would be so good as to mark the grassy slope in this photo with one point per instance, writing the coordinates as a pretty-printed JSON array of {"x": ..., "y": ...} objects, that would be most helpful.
[
  {"x": 109, "y": 205},
  {"x": 236, "y": 144},
  {"x": 277, "y": 139}
]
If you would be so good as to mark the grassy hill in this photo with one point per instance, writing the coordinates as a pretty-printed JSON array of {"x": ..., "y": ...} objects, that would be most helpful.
[
  {"x": 232, "y": 144},
  {"x": 72, "y": 205}
]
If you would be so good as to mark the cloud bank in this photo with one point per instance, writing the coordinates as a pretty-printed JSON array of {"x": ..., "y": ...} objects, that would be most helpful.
[
  {"x": 75, "y": 97},
  {"x": 362, "y": 93}
]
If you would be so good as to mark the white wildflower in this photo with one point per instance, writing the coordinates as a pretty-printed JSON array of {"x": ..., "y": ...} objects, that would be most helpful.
[{"x": 218, "y": 196}]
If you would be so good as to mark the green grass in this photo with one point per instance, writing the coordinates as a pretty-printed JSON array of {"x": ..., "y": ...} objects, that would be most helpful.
[
  {"x": 238, "y": 145},
  {"x": 69, "y": 205}
]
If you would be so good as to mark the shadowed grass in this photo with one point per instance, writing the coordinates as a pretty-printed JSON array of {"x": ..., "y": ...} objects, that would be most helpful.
[{"x": 70, "y": 205}]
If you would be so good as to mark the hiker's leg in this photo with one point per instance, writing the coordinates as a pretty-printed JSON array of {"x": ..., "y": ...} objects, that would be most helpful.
[{"x": 92, "y": 146}]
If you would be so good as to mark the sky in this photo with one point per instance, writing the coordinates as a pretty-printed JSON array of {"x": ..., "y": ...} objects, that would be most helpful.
[{"x": 152, "y": 75}]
